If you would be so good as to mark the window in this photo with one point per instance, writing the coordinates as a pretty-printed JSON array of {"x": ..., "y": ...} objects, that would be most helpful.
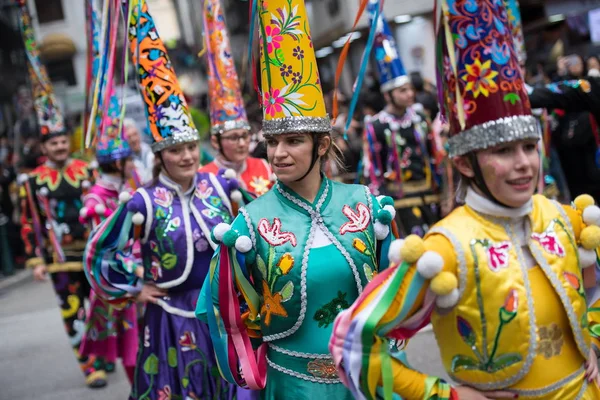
[
  {"x": 49, "y": 10},
  {"x": 62, "y": 71}
]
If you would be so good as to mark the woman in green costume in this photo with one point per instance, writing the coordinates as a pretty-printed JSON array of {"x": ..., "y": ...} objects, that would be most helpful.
[{"x": 298, "y": 255}]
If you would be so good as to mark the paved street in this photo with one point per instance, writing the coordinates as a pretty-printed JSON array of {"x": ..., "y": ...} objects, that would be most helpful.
[{"x": 36, "y": 361}]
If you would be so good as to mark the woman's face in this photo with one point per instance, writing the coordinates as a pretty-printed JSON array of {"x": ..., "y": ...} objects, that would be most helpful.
[
  {"x": 510, "y": 171},
  {"x": 127, "y": 166},
  {"x": 181, "y": 161},
  {"x": 290, "y": 154},
  {"x": 235, "y": 144}
]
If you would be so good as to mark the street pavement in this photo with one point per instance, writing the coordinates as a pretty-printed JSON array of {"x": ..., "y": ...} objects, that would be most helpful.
[{"x": 36, "y": 361}]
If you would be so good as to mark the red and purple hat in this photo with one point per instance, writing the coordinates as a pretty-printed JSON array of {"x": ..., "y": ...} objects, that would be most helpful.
[{"x": 482, "y": 91}]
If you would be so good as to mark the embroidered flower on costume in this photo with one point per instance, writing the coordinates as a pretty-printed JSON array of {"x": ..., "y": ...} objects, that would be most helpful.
[
  {"x": 187, "y": 341},
  {"x": 322, "y": 368},
  {"x": 550, "y": 340},
  {"x": 296, "y": 78},
  {"x": 155, "y": 268},
  {"x": 509, "y": 310},
  {"x": 163, "y": 196},
  {"x": 200, "y": 243},
  {"x": 203, "y": 190},
  {"x": 498, "y": 255},
  {"x": 273, "y": 38},
  {"x": 164, "y": 393},
  {"x": 260, "y": 185},
  {"x": 480, "y": 78},
  {"x": 359, "y": 220},
  {"x": 549, "y": 242},
  {"x": 272, "y": 233},
  {"x": 271, "y": 304},
  {"x": 286, "y": 263},
  {"x": 273, "y": 102}
]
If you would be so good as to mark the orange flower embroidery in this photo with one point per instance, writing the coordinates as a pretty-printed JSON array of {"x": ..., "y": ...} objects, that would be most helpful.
[
  {"x": 286, "y": 263},
  {"x": 271, "y": 304}
]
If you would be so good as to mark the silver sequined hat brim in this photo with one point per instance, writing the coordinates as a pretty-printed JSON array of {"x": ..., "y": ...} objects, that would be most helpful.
[
  {"x": 296, "y": 124},
  {"x": 179, "y": 138},
  {"x": 394, "y": 83},
  {"x": 493, "y": 133},
  {"x": 227, "y": 126}
]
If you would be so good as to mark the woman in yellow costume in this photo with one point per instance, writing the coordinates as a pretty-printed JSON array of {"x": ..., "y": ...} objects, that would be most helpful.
[{"x": 500, "y": 278}]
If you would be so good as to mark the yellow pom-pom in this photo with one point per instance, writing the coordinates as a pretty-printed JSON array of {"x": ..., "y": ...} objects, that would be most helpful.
[
  {"x": 590, "y": 237},
  {"x": 583, "y": 201},
  {"x": 413, "y": 249},
  {"x": 444, "y": 283}
]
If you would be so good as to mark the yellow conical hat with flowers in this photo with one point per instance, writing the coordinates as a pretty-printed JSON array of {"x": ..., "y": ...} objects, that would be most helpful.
[{"x": 292, "y": 97}]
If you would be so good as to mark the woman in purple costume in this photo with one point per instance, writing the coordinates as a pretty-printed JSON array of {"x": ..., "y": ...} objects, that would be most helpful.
[{"x": 172, "y": 218}]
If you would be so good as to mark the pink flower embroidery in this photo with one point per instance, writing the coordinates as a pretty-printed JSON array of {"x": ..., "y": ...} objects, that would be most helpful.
[
  {"x": 187, "y": 341},
  {"x": 549, "y": 242},
  {"x": 273, "y": 38},
  {"x": 358, "y": 220},
  {"x": 498, "y": 256},
  {"x": 273, "y": 235},
  {"x": 163, "y": 196},
  {"x": 273, "y": 102},
  {"x": 203, "y": 190},
  {"x": 155, "y": 269},
  {"x": 164, "y": 393}
]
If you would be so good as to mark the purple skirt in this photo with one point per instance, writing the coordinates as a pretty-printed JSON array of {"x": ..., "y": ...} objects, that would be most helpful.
[{"x": 176, "y": 358}]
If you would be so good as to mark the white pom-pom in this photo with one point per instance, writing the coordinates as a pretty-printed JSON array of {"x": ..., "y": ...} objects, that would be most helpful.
[
  {"x": 381, "y": 230},
  {"x": 93, "y": 164},
  {"x": 100, "y": 209},
  {"x": 124, "y": 197},
  {"x": 449, "y": 300},
  {"x": 44, "y": 191},
  {"x": 236, "y": 196},
  {"x": 587, "y": 258},
  {"x": 83, "y": 212},
  {"x": 86, "y": 184},
  {"x": 22, "y": 178},
  {"x": 391, "y": 210},
  {"x": 591, "y": 215},
  {"x": 394, "y": 251},
  {"x": 229, "y": 174},
  {"x": 138, "y": 218},
  {"x": 243, "y": 244},
  {"x": 430, "y": 264},
  {"x": 220, "y": 230}
]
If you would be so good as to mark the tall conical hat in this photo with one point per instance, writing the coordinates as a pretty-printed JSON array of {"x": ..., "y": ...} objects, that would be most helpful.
[
  {"x": 225, "y": 98},
  {"x": 169, "y": 118},
  {"x": 484, "y": 95},
  {"x": 292, "y": 97},
  {"x": 111, "y": 144},
  {"x": 391, "y": 70},
  {"x": 49, "y": 116}
]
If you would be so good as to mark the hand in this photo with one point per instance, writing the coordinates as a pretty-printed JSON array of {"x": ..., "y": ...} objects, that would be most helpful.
[
  {"x": 40, "y": 273},
  {"x": 591, "y": 367},
  {"x": 150, "y": 294},
  {"x": 467, "y": 393},
  {"x": 561, "y": 66},
  {"x": 139, "y": 272}
]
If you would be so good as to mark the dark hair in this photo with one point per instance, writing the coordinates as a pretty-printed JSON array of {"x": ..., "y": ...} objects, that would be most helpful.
[
  {"x": 110, "y": 168},
  {"x": 373, "y": 100},
  {"x": 417, "y": 81}
]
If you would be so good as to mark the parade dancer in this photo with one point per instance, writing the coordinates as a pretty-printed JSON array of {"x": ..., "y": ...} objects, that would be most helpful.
[
  {"x": 110, "y": 333},
  {"x": 50, "y": 198},
  {"x": 500, "y": 278},
  {"x": 230, "y": 130},
  {"x": 171, "y": 218},
  {"x": 399, "y": 149},
  {"x": 304, "y": 251}
]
